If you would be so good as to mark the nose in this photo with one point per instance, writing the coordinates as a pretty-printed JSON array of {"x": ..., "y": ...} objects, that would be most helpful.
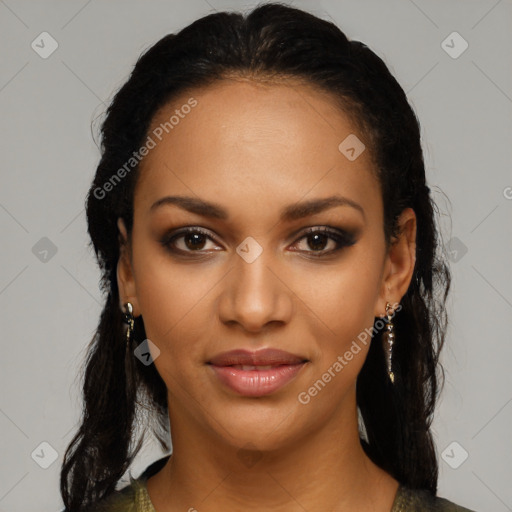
[{"x": 255, "y": 294}]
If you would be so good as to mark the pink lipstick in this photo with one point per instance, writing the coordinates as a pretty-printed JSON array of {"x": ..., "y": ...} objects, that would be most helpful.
[{"x": 256, "y": 373}]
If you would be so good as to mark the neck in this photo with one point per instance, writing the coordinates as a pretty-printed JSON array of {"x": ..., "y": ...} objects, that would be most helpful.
[{"x": 323, "y": 470}]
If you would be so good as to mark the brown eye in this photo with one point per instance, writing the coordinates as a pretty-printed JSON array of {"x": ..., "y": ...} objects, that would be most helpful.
[
  {"x": 318, "y": 238},
  {"x": 194, "y": 240}
]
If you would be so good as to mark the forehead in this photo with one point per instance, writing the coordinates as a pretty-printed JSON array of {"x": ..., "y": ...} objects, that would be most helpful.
[{"x": 245, "y": 140}]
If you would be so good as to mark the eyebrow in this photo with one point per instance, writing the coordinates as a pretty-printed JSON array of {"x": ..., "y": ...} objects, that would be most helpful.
[{"x": 289, "y": 213}]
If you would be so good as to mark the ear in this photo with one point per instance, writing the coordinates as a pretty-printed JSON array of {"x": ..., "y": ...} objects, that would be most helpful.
[
  {"x": 399, "y": 264},
  {"x": 125, "y": 279}
]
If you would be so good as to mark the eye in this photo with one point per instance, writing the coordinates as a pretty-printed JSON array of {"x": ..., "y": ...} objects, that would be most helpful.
[
  {"x": 317, "y": 238},
  {"x": 193, "y": 240}
]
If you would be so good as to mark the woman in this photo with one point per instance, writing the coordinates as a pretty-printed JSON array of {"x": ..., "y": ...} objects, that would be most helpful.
[{"x": 267, "y": 239}]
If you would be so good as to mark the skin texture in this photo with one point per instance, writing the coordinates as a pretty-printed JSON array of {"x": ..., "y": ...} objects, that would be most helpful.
[{"x": 254, "y": 148}]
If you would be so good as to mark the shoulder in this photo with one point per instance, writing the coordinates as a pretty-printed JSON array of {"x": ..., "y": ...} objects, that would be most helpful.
[
  {"x": 416, "y": 500},
  {"x": 123, "y": 500},
  {"x": 133, "y": 497}
]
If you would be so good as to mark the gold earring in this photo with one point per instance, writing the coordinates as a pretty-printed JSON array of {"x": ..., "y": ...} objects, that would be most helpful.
[
  {"x": 129, "y": 319},
  {"x": 388, "y": 339}
]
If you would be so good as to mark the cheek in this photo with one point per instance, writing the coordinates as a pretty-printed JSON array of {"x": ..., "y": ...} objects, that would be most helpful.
[
  {"x": 174, "y": 301},
  {"x": 344, "y": 307},
  {"x": 163, "y": 290}
]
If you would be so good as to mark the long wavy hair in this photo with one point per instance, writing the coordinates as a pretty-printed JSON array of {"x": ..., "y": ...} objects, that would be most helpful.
[{"x": 279, "y": 41}]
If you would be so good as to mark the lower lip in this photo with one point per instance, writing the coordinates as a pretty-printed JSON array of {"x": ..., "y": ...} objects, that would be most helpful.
[{"x": 257, "y": 382}]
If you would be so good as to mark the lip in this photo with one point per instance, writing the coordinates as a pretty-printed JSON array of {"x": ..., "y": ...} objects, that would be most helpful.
[
  {"x": 262, "y": 357},
  {"x": 255, "y": 381}
]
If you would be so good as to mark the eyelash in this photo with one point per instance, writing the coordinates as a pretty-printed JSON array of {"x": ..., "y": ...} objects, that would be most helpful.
[{"x": 342, "y": 239}]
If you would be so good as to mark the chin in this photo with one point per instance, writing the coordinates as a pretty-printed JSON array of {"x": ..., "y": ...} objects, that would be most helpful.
[{"x": 257, "y": 430}]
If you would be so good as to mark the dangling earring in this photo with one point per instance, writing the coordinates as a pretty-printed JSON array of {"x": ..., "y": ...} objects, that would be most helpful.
[
  {"x": 388, "y": 339},
  {"x": 128, "y": 319}
]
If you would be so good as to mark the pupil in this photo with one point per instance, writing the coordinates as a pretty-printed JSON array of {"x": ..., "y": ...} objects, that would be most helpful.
[
  {"x": 197, "y": 242},
  {"x": 316, "y": 237}
]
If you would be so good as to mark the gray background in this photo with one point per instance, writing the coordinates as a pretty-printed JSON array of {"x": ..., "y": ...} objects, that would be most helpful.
[{"x": 50, "y": 303}]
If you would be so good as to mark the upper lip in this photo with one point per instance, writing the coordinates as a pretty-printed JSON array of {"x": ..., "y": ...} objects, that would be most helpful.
[{"x": 262, "y": 357}]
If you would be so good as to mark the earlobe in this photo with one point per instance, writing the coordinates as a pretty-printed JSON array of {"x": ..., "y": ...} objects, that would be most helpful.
[
  {"x": 400, "y": 262},
  {"x": 125, "y": 278}
]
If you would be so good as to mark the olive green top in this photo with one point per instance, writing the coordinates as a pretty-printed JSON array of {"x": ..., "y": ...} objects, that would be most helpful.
[{"x": 135, "y": 498}]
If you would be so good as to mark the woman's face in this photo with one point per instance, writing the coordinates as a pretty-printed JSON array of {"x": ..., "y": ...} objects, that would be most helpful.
[{"x": 266, "y": 157}]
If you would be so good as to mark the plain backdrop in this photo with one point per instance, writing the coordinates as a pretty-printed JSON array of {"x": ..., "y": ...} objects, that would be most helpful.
[{"x": 49, "y": 296}]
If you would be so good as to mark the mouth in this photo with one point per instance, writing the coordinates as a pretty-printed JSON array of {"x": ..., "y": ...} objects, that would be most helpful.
[{"x": 255, "y": 374}]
